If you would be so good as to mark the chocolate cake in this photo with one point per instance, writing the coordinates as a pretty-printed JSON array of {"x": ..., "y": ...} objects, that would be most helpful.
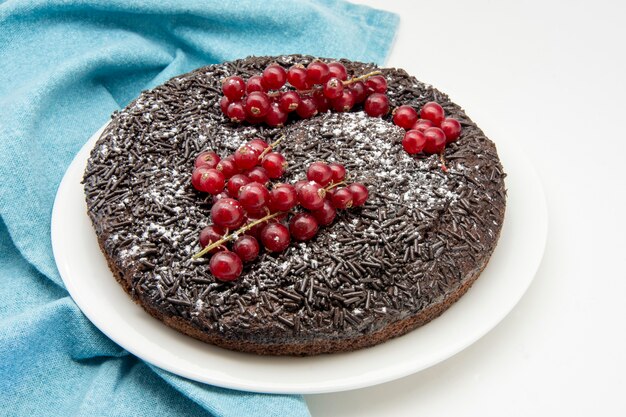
[{"x": 378, "y": 271}]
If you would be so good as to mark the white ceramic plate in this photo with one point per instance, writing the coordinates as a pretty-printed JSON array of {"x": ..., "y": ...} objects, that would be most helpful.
[{"x": 501, "y": 285}]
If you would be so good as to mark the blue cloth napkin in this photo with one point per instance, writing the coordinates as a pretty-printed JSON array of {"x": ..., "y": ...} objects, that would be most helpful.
[{"x": 65, "y": 66}]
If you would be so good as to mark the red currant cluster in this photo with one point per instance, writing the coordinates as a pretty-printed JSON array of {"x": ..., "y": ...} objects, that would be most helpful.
[
  {"x": 243, "y": 203},
  {"x": 430, "y": 132},
  {"x": 319, "y": 87},
  {"x": 253, "y": 162}
]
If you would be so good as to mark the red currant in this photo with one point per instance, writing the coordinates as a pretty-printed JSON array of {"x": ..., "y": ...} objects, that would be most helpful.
[
  {"x": 228, "y": 213},
  {"x": 311, "y": 195},
  {"x": 377, "y": 105},
  {"x": 303, "y": 226},
  {"x": 322, "y": 104},
  {"x": 320, "y": 172},
  {"x": 276, "y": 117},
  {"x": 289, "y": 101},
  {"x": 307, "y": 108},
  {"x": 247, "y": 248},
  {"x": 258, "y": 174},
  {"x": 236, "y": 112},
  {"x": 359, "y": 92},
  {"x": 297, "y": 77},
  {"x": 255, "y": 83},
  {"x": 235, "y": 183},
  {"x": 258, "y": 144},
  {"x": 257, "y": 104},
  {"x": 343, "y": 103},
  {"x": 219, "y": 196},
  {"x": 432, "y": 111},
  {"x": 234, "y": 87},
  {"x": 283, "y": 197},
  {"x": 211, "y": 234},
  {"x": 228, "y": 167},
  {"x": 326, "y": 214},
  {"x": 359, "y": 194},
  {"x": 317, "y": 72},
  {"x": 337, "y": 69},
  {"x": 405, "y": 117},
  {"x": 208, "y": 159},
  {"x": 253, "y": 197},
  {"x": 298, "y": 185},
  {"x": 224, "y": 103},
  {"x": 226, "y": 266},
  {"x": 339, "y": 172},
  {"x": 342, "y": 199},
  {"x": 274, "y": 76},
  {"x": 422, "y": 124},
  {"x": 435, "y": 140},
  {"x": 275, "y": 237},
  {"x": 452, "y": 129},
  {"x": 413, "y": 142},
  {"x": 209, "y": 180},
  {"x": 376, "y": 84},
  {"x": 333, "y": 88},
  {"x": 246, "y": 157},
  {"x": 254, "y": 120},
  {"x": 275, "y": 165}
]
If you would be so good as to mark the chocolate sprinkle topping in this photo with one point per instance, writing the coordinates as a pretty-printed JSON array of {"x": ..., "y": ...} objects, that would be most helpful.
[{"x": 420, "y": 234}]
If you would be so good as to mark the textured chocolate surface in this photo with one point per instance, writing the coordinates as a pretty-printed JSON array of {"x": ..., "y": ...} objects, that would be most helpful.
[{"x": 383, "y": 269}]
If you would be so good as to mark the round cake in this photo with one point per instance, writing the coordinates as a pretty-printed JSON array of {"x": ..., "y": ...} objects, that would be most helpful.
[{"x": 378, "y": 271}]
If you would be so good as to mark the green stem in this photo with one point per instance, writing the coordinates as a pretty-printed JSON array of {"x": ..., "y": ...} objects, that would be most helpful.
[
  {"x": 444, "y": 168},
  {"x": 231, "y": 236},
  {"x": 272, "y": 146},
  {"x": 362, "y": 77},
  {"x": 333, "y": 185},
  {"x": 345, "y": 83}
]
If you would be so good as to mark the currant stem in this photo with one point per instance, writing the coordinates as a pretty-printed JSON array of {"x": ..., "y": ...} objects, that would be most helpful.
[
  {"x": 345, "y": 83},
  {"x": 333, "y": 185},
  {"x": 362, "y": 77},
  {"x": 271, "y": 147},
  {"x": 444, "y": 168},
  {"x": 229, "y": 237}
]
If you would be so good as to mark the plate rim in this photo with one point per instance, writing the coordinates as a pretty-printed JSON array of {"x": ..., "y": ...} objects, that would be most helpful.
[{"x": 348, "y": 383}]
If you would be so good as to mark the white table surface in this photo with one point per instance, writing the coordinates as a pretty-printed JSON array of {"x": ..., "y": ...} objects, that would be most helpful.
[{"x": 549, "y": 75}]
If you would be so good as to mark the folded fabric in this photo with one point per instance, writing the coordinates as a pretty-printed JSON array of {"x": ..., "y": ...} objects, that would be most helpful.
[{"x": 65, "y": 66}]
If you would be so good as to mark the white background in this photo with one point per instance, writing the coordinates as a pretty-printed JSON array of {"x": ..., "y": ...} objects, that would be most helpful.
[{"x": 549, "y": 76}]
